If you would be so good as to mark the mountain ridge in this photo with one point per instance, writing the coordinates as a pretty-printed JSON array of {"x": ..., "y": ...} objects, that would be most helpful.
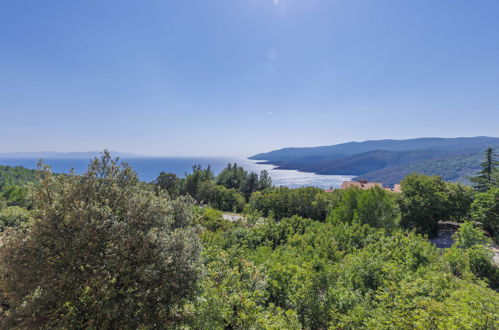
[{"x": 386, "y": 160}]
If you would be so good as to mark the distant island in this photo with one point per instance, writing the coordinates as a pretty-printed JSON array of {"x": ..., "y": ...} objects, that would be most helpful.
[{"x": 388, "y": 161}]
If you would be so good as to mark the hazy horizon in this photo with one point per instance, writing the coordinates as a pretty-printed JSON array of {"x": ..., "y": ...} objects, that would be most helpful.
[{"x": 132, "y": 154}]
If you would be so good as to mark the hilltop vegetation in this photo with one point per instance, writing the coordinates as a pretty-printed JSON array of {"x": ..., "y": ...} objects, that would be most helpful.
[
  {"x": 104, "y": 250},
  {"x": 388, "y": 161},
  {"x": 15, "y": 175}
]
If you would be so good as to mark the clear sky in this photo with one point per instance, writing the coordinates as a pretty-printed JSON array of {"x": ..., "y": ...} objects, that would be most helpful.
[{"x": 237, "y": 77}]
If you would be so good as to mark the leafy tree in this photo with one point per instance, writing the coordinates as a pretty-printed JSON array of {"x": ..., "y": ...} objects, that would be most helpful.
[
  {"x": 232, "y": 176},
  {"x": 459, "y": 199},
  {"x": 375, "y": 207},
  {"x": 170, "y": 183},
  {"x": 470, "y": 256},
  {"x": 468, "y": 236},
  {"x": 102, "y": 251},
  {"x": 265, "y": 181},
  {"x": 281, "y": 202},
  {"x": 378, "y": 208},
  {"x": 485, "y": 210},
  {"x": 250, "y": 185},
  {"x": 220, "y": 197},
  {"x": 235, "y": 177},
  {"x": 423, "y": 203},
  {"x": 194, "y": 180},
  {"x": 486, "y": 176}
]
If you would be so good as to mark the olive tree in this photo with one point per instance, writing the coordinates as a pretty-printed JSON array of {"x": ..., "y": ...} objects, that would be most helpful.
[{"x": 103, "y": 250}]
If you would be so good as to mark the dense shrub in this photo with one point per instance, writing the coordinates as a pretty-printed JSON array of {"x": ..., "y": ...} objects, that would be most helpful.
[
  {"x": 307, "y": 274},
  {"x": 485, "y": 210},
  {"x": 102, "y": 251},
  {"x": 284, "y": 202},
  {"x": 220, "y": 197},
  {"x": 375, "y": 207},
  {"x": 425, "y": 200}
]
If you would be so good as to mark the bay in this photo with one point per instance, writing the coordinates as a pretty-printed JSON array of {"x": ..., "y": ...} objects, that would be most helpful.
[{"x": 148, "y": 168}]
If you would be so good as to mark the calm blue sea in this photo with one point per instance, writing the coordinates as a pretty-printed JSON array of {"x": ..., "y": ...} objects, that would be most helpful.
[{"x": 149, "y": 168}]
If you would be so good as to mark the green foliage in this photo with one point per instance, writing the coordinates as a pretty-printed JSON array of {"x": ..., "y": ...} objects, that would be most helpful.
[
  {"x": 425, "y": 200},
  {"x": 235, "y": 296},
  {"x": 15, "y": 176},
  {"x": 213, "y": 220},
  {"x": 313, "y": 275},
  {"x": 170, "y": 183},
  {"x": 16, "y": 196},
  {"x": 375, "y": 207},
  {"x": 228, "y": 192},
  {"x": 468, "y": 236},
  {"x": 235, "y": 177},
  {"x": 459, "y": 199},
  {"x": 232, "y": 176},
  {"x": 485, "y": 178},
  {"x": 264, "y": 182},
  {"x": 220, "y": 197},
  {"x": 13, "y": 182},
  {"x": 470, "y": 256},
  {"x": 435, "y": 300},
  {"x": 485, "y": 210},
  {"x": 102, "y": 251},
  {"x": 284, "y": 202},
  {"x": 13, "y": 216},
  {"x": 194, "y": 180}
]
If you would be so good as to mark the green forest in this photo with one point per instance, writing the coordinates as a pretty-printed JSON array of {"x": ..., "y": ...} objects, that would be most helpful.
[{"x": 104, "y": 250}]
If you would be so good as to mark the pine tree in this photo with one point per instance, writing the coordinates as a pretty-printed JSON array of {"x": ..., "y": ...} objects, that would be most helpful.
[{"x": 486, "y": 177}]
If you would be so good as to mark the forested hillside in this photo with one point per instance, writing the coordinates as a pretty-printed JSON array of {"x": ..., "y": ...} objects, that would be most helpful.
[
  {"x": 16, "y": 175},
  {"x": 13, "y": 181},
  {"x": 388, "y": 161},
  {"x": 453, "y": 168}
]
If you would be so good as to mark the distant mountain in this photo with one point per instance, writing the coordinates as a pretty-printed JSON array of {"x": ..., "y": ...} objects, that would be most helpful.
[
  {"x": 387, "y": 161},
  {"x": 66, "y": 155},
  {"x": 453, "y": 168}
]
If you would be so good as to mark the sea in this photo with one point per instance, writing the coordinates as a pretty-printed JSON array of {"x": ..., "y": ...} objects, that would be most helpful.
[{"x": 148, "y": 168}]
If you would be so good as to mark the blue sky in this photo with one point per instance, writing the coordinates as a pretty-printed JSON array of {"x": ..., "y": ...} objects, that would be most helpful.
[{"x": 237, "y": 77}]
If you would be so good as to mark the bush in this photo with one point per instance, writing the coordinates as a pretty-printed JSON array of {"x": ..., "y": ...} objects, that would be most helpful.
[
  {"x": 220, "y": 197},
  {"x": 102, "y": 251},
  {"x": 283, "y": 202},
  {"x": 375, "y": 207},
  {"x": 423, "y": 203},
  {"x": 470, "y": 256},
  {"x": 213, "y": 220},
  {"x": 485, "y": 209},
  {"x": 468, "y": 236}
]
